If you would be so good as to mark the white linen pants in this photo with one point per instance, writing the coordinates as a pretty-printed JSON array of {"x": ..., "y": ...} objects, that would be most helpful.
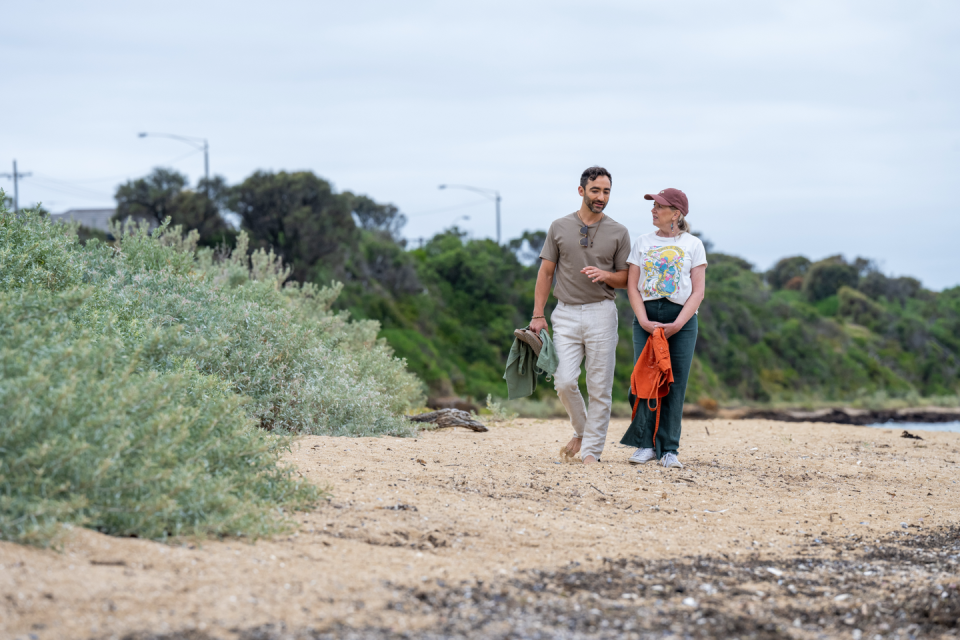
[{"x": 586, "y": 330}]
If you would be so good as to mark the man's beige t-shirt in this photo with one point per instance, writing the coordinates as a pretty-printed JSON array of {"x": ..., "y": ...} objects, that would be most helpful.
[{"x": 611, "y": 247}]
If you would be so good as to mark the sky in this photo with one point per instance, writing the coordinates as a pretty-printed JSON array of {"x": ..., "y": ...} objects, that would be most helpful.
[{"x": 795, "y": 127}]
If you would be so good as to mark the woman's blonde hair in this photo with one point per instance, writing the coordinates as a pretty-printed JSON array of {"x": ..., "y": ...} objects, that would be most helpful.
[{"x": 682, "y": 223}]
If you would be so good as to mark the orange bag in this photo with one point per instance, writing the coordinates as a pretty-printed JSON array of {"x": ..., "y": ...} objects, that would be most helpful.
[{"x": 652, "y": 375}]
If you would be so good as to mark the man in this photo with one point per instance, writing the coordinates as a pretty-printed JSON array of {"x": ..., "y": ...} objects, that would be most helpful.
[{"x": 587, "y": 251}]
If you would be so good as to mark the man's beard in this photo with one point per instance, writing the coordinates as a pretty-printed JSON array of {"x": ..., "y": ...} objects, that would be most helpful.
[{"x": 590, "y": 204}]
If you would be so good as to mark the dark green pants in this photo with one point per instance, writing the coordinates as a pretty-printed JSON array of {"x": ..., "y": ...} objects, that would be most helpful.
[{"x": 640, "y": 432}]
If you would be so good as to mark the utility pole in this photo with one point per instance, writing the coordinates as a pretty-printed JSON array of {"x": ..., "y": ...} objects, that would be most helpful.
[
  {"x": 16, "y": 191},
  {"x": 492, "y": 194}
]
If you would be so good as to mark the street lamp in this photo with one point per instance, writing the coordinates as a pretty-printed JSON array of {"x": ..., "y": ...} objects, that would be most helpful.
[
  {"x": 196, "y": 143},
  {"x": 492, "y": 194}
]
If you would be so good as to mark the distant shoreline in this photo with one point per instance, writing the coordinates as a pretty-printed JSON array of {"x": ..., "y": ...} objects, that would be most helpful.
[{"x": 838, "y": 415}]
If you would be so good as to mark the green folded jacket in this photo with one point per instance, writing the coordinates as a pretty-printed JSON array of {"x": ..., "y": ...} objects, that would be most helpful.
[{"x": 523, "y": 366}]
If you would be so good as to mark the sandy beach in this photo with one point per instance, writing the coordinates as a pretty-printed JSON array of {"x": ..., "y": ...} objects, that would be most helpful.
[{"x": 772, "y": 529}]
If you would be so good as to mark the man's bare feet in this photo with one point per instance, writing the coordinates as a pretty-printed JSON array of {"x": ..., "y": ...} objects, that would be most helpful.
[
  {"x": 589, "y": 460},
  {"x": 570, "y": 451}
]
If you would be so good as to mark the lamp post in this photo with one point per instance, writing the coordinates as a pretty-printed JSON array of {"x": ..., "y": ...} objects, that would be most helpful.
[
  {"x": 196, "y": 143},
  {"x": 492, "y": 194}
]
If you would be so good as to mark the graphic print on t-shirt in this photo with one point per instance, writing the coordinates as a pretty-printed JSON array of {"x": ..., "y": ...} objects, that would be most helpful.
[{"x": 662, "y": 267}]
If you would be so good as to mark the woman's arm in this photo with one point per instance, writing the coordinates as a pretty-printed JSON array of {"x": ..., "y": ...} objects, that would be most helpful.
[
  {"x": 636, "y": 299},
  {"x": 698, "y": 278}
]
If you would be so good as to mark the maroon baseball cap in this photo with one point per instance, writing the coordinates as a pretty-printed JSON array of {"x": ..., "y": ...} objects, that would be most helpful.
[{"x": 671, "y": 198}]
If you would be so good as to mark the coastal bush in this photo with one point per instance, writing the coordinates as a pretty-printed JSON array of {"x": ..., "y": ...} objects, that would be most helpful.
[
  {"x": 304, "y": 368},
  {"x": 89, "y": 440},
  {"x": 133, "y": 378}
]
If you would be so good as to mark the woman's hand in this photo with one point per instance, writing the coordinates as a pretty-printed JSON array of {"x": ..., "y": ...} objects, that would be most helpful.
[
  {"x": 648, "y": 325},
  {"x": 670, "y": 329}
]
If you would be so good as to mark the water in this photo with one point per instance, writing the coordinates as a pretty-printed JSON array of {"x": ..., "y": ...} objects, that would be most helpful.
[{"x": 920, "y": 426}]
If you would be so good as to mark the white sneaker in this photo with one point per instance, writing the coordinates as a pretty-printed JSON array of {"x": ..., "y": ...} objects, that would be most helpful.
[
  {"x": 642, "y": 456},
  {"x": 669, "y": 460}
]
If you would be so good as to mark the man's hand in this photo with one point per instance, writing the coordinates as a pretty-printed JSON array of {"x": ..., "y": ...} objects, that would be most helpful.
[
  {"x": 596, "y": 275},
  {"x": 538, "y": 324}
]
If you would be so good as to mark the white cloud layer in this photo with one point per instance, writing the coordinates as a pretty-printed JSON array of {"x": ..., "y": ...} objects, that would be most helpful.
[{"x": 813, "y": 127}]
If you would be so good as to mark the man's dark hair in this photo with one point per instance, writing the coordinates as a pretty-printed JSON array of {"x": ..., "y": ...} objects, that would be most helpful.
[{"x": 592, "y": 174}]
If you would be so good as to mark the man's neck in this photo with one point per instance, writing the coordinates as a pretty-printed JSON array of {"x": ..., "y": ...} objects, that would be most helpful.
[{"x": 588, "y": 216}]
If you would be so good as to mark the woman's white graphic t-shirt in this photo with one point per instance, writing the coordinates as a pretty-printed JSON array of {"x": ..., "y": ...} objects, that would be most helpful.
[{"x": 665, "y": 265}]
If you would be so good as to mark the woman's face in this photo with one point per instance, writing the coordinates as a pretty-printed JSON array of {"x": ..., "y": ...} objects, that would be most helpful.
[{"x": 663, "y": 215}]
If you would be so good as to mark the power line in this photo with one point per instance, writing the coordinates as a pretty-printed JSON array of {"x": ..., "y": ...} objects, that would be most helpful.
[
  {"x": 16, "y": 192},
  {"x": 445, "y": 209},
  {"x": 68, "y": 189},
  {"x": 174, "y": 160}
]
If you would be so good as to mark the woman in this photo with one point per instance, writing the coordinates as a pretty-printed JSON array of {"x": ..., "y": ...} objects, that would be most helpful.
[{"x": 667, "y": 270}]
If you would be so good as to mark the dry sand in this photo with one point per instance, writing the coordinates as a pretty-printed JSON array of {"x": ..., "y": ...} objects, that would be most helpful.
[{"x": 458, "y": 533}]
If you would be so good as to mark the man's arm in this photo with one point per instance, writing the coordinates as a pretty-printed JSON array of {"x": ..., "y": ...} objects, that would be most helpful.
[
  {"x": 615, "y": 279},
  {"x": 541, "y": 293}
]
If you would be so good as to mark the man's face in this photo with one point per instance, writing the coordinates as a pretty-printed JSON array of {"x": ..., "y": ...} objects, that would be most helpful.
[{"x": 596, "y": 194}]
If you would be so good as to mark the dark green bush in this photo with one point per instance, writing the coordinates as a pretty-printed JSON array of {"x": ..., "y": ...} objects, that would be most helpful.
[
  {"x": 787, "y": 269},
  {"x": 824, "y": 278}
]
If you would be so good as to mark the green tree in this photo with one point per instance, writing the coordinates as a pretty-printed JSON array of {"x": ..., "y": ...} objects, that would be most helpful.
[
  {"x": 824, "y": 278},
  {"x": 373, "y": 216},
  {"x": 164, "y": 194},
  {"x": 787, "y": 270},
  {"x": 300, "y": 217}
]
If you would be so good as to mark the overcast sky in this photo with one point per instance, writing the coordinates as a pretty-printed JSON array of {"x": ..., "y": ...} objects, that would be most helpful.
[{"x": 807, "y": 127}]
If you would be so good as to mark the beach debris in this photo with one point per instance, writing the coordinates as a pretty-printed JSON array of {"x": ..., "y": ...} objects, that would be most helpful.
[
  {"x": 598, "y": 491},
  {"x": 690, "y": 602},
  {"x": 400, "y": 507},
  {"x": 774, "y": 571},
  {"x": 721, "y": 511},
  {"x": 707, "y": 430},
  {"x": 907, "y": 434},
  {"x": 422, "y": 461},
  {"x": 842, "y": 597},
  {"x": 449, "y": 418}
]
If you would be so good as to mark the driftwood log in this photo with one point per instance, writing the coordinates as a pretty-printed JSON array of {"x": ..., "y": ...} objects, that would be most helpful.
[{"x": 445, "y": 418}]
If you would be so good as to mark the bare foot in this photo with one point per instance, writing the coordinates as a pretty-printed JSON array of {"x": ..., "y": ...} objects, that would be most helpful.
[
  {"x": 589, "y": 460},
  {"x": 570, "y": 451}
]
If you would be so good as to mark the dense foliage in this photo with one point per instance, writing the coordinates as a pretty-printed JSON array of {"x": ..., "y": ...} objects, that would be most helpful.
[
  {"x": 133, "y": 378},
  {"x": 831, "y": 330}
]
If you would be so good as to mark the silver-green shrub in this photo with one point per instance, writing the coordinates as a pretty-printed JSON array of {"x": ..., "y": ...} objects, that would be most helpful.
[
  {"x": 304, "y": 368},
  {"x": 89, "y": 439},
  {"x": 133, "y": 379}
]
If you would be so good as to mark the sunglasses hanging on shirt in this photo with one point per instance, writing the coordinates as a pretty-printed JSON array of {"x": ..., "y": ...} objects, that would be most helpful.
[{"x": 586, "y": 240}]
